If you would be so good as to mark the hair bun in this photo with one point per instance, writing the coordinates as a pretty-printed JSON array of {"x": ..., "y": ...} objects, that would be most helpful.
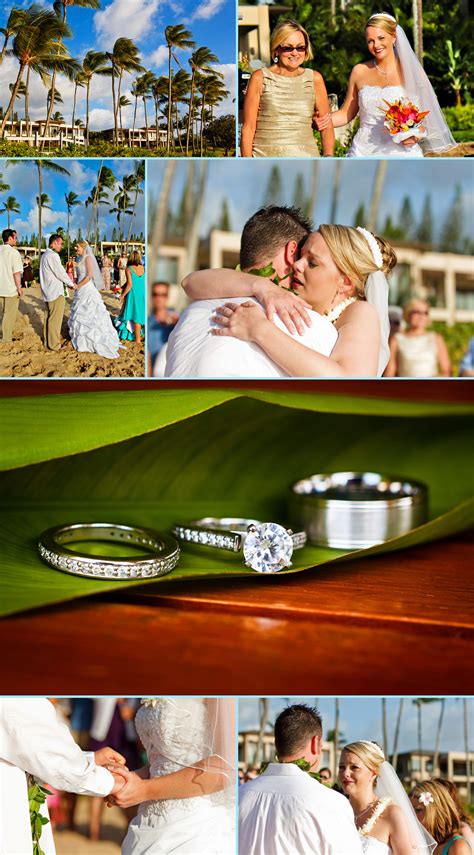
[{"x": 389, "y": 255}]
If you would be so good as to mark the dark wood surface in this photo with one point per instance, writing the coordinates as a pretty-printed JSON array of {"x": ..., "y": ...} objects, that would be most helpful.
[
  {"x": 397, "y": 624},
  {"x": 401, "y": 623}
]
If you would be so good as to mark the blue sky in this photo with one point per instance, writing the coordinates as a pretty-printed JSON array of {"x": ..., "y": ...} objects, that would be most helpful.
[
  {"x": 360, "y": 718},
  {"x": 23, "y": 180},
  {"x": 212, "y": 23},
  {"x": 243, "y": 184}
]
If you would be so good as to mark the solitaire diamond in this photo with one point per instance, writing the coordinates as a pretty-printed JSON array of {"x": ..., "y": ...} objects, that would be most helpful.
[{"x": 268, "y": 548}]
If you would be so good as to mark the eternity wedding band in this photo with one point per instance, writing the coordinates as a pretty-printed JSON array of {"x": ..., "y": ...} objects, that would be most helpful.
[
  {"x": 355, "y": 510},
  {"x": 52, "y": 549},
  {"x": 267, "y": 546}
]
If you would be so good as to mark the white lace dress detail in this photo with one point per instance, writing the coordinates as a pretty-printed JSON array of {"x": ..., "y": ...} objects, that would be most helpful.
[
  {"x": 372, "y": 139},
  {"x": 175, "y": 734},
  {"x": 370, "y": 845},
  {"x": 90, "y": 325}
]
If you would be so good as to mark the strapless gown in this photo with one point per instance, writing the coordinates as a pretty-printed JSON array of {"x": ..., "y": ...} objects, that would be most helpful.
[
  {"x": 175, "y": 734},
  {"x": 90, "y": 325},
  {"x": 372, "y": 139},
  {"x": 285, "y": 115},
  {"x": 372, "y": 846}
]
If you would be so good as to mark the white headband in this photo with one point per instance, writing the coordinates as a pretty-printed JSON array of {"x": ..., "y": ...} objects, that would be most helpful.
[
  {"x": 382, "y": 15},
  {"x": 376, "y": 747},
  {"x": 374, "y": 247}
]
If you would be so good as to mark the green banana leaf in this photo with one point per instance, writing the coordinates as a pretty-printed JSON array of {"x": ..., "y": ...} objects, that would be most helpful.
[{"x": 156, "y": 457}]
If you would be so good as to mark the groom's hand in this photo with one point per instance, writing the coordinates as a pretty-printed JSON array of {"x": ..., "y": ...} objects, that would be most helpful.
[
  {"x": 107, "y": 756},
  {"x": 132, "y": 793},
  {"x": 119, "y": 775},
  {"x": 290, "y": 308}
]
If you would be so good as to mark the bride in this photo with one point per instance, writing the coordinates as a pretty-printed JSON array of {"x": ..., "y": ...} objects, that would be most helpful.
[
  {"x": 383, "y": 813},
  {"x": 394, "y": 72},
  {"x": 90, "y": 325},
  {"x": 341, "y": 273},
  {"x": 186, "y": 795}
]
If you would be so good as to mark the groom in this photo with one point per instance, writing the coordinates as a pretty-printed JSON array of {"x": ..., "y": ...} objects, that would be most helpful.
[
  {"x": 53, "y": 278},
  {"x": 285, "y": 810},
  {"x": 273, "y": 235}
]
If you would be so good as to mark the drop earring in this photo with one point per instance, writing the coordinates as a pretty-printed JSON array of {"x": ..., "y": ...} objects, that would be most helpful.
[{"x": 275, "y": 59}]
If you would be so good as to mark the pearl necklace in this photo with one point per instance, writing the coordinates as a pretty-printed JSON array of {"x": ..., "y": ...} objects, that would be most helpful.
[
  {"x": 385, "y": 74},
  {"x": 335, "y": 313}
]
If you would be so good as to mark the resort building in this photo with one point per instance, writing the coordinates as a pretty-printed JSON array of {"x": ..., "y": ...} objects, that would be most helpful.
[
  {"x": 248, "y": 741},
  {"x": 444, "y": 279},
  {"x": 135, "y": 138},
  {"x": 59, "y": 133},
  {"x": 413, "y": 767}
]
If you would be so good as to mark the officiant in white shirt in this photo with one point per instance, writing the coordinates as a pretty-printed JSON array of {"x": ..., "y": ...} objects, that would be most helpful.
[
  {"x": 53, "y": 278},
  {"x": 34, "y": 742},
  {"x": 285, "y": 811}
]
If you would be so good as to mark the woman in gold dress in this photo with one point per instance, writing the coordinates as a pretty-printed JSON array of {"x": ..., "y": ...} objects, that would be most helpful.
[{"x": 281, "y": 101}]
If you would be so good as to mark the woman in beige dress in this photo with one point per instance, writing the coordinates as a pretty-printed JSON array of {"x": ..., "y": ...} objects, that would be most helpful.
[
  {"x": 417, "y": 351},
  {"x": 281, "y": 101}
]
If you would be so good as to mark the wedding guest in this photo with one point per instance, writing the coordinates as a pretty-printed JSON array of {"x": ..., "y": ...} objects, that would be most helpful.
[
  {"x": 132, "y": 315},
  {"x": 466, "y": 366},
  {"x": 438, "y": 813},
  {"x": 418, "y": 351},
  {"x": 281, "y": 100},
  {"x": 325, "y": 776},
  {"x": 107, "y": 266},
  {"x": 28, "y": 276},
  {"x": 121, "y": 267},
  {"x": 161, "y": 322},
  {"x": 467, "y": 825},
  {"x": 71, "y": 270},
  {"x": 53, "y": 278},
  {"x": 285, "y": 809},
  {"x": 11, "y": 269}
]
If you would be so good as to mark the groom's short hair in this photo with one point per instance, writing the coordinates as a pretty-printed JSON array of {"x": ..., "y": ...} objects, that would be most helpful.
[
  {"x": 54, "y": 238},
  {"x": 7, "y": 234},
  {"x": 268, "y": 230},
  {"x": 294, "y": 727}
]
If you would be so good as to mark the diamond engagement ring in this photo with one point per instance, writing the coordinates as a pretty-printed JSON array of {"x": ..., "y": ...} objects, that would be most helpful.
[
  {"x": 165, "y": 551},
  {"x": 267, "y": 546}
]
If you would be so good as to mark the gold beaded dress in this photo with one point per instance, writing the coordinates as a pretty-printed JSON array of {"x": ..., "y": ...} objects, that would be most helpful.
[{"x": 284, "y": 121}]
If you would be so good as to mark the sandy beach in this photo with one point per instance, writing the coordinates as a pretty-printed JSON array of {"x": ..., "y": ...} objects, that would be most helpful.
[{"x": 26, "y": 355}]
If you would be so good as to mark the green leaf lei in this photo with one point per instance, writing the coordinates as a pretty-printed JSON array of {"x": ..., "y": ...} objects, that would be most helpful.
[
  {"x": 36, "y": 798},
  {"x": 269, "y": 272},
  {"x": 302, "y": 764}
]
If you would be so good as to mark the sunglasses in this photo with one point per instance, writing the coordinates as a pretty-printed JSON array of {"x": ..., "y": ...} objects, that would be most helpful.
[
  {"x": 419, "y": 312},
  {"x": 160, "y": 294},
  {"x": 289, "y": 49}
]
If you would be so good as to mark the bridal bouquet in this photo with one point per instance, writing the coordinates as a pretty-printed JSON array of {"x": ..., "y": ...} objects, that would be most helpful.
[{"x": 403, "y": 120}]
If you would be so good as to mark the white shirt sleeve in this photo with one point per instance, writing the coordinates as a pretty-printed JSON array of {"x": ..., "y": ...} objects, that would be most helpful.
[
  {"x": 57, "y": 269},
  {"x": 17, "y": 264},
  {"x": 32, "y": 738}
]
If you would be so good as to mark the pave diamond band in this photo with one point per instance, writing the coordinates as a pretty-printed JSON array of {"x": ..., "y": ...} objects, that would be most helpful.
[
  {"x": 162, "y": 551},
  {"x": 267, "y": 546}
]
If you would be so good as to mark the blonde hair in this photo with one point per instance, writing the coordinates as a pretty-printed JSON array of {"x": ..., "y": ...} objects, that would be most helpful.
[
  {"x": 441, "y": 818},
  {"x": 134, "y": 258},
  {"x": 370, "y": 753},
  {"x": 283, "y": 31},
  {"x": 81, "y": 242},
  {"x": 383, "y": 23},
  {"x": 353, "y": 255},
  {"x": 410, "y": 305}
]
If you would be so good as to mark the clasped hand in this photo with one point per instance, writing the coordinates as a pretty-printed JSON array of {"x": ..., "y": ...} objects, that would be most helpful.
[{"x": 129, "y": 788}]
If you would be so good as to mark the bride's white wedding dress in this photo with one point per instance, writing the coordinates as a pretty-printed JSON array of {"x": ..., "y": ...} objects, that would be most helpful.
[
  {"x": 370, "y": 845},
  {"x": 90, "y": 325},
  {"x": 176, "y": 734},
  {"x": 372, "y": 139}
]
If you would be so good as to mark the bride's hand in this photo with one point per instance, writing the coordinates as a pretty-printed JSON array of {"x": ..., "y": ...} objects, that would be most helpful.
[
  {"x": 132, "y": 793},
  {"x": 107, "y": 757},
  {"x": 321, "y": 122},
  {"x": 290, "y": 308},
  {"x": 240, "y": 321},
  {"x": 410, "y": 141}
]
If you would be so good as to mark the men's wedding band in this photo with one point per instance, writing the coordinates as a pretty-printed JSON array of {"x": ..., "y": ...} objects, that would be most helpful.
[
  {"x": 267, "y": 546},
  {"x": 165, "y": 551},
  {"x": 355, "y": 510}
]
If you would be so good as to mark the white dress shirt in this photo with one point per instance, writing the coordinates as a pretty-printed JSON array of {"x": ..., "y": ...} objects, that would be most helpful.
[
  {"x": 193, "y": 351},
  {"x": 287, "y": 812},
  {"x": 10, "y": 263},
  {"x": 52, "y": 276},
  {"x": 32, "y": 740}
]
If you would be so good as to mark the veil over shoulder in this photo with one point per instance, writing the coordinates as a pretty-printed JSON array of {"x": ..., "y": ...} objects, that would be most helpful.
[{"x": 389, "y": 786}]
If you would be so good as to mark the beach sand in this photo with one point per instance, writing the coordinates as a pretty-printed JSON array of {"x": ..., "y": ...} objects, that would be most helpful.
[{"x": 26, "y": 355}]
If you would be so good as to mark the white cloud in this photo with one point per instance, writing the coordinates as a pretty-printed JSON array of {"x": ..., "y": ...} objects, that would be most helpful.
[
  {"x": 207, "y": 9},
  {"x": 228, "y": 105},
  {"x": 50, "y": 221},
  {"x": 124, "y": 18},
  {"x": 100, "y": 119},
  {"x": 159, "y": 57}
]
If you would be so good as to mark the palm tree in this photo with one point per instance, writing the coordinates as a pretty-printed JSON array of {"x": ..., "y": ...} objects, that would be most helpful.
[
  {"x": 466, "y": 749},
  {"x": 379, "y": 179},
  {"x": 384, "y": 726},
  {"x": 79, "y": 81},
  {"x": 135, "y": 92},
  {"x": 123, "y": 102},
  {"x": 94, "y": 62},
  {"x": 35, "y": 46},
  {"x": 139, "y": 177},
  {"x": 160, "y": 214},
  {"x": 200, "y": 60},
  {"x": 106, "y": 181},
  {"x": 50, "y": 166},
  {"x": 159, "y": 89},
  {"x": 212, "y": 91},
  {"x": 337, "y": 736},
  {"x": 176, "y": 37},
  {"x": 442, "y": 702},
  {"x": 145, "y": 83},
  {"x": 181, "y": 88},
  {"x": 11, "y": 206},
  {"x": 72, "y": 201},
  {"x": 14, "y": 22},
  {"x": 124, "y": 57},
  {"x": 397, "y": 733},
  {"x": 3, "y": 185},
  {"x": 264, "y": 709}
]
